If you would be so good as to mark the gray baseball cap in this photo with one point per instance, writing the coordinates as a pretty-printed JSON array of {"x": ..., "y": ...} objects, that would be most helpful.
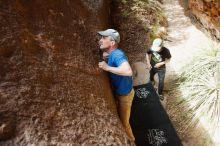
[{"x": 111, "y": 32}]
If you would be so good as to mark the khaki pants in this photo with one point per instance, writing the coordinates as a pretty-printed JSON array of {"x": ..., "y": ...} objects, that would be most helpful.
[{"x": 124, "y": 110}]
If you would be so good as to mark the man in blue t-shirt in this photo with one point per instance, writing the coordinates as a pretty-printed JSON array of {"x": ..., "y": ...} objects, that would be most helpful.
[{"x": 120, "y": 75}]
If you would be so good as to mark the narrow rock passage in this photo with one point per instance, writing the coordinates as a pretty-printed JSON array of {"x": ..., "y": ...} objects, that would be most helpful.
[{"x": 186, "y": 41}]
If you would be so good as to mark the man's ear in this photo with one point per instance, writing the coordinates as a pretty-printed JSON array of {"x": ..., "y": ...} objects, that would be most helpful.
[{"x": 113, "y": 43}]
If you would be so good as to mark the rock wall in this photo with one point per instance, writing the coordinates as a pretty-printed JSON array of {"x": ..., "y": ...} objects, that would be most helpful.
[
  {"x": 137, "y": 22},
  {"x": 51, "y": 90},
  {"x": 205, "y": 14}
]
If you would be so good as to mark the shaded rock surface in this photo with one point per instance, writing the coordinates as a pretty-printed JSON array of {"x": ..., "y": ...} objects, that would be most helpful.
[
  {"x": 137, "y": 22},
  {"x": 7, "y": 125},
  {"x": 49, "y": 76},
  {"x": 205, "y": 14}
]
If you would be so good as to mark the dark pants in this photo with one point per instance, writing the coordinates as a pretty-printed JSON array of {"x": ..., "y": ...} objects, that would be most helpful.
[{"x": 161, "y": 75}]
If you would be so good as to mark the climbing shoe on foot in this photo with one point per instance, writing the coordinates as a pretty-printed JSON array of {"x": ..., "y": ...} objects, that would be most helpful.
[{"x": 161, "y": 97}]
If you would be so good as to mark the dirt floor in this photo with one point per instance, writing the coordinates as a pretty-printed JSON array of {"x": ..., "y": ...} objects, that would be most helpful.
[{"x": 189, "y": 134}]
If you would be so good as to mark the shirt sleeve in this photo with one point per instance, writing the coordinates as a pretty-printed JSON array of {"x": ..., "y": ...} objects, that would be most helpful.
[
  {"x": 119, "y": 59},
  {"x": 168, "y": 55}
]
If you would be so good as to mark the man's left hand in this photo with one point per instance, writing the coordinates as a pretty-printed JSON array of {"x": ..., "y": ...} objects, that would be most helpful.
[{"x": 103, "y": 65}]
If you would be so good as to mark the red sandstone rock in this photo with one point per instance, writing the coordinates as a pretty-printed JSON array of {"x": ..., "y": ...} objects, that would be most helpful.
[
  {"x": 207, "y": 13},
  {"x": 49, "y": 74}
]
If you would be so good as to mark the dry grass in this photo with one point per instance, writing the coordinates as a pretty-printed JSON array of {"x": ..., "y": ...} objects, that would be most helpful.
[{"x": 196, "y": 95}]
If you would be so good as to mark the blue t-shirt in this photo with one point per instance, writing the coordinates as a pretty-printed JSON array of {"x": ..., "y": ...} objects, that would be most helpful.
[{"x": 122, "y": 85}]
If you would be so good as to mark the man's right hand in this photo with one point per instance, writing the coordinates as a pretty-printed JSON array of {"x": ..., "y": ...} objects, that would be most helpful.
[{"x": 103, "y": 65}]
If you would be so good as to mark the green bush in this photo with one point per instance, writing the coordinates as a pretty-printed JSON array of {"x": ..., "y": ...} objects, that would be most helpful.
[{"x": 199, "y": 85}]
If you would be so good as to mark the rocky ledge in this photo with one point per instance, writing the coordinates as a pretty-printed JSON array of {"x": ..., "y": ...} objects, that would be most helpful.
[{"x": 205, "y": 14}]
